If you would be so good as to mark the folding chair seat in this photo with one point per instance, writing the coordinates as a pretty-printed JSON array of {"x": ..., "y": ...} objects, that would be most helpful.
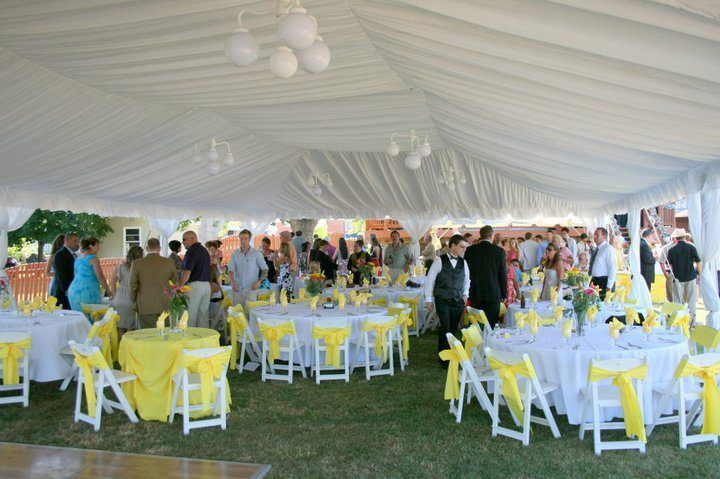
[
  {"x": 377, "y": 334},
  {"x": 331, "y": 339},
  {"x": 278, "y": 337}
]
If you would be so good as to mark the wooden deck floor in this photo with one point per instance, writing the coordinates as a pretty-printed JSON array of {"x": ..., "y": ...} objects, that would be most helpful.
[{"x": 30, "y": 461}]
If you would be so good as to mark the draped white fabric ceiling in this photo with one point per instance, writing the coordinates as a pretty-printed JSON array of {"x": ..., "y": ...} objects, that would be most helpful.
[{"x": 549, "y": 107}]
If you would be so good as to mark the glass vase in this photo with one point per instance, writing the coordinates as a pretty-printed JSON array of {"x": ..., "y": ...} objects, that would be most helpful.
[
  {"x": 581, "y": 317},
  {"x": 174, "y": 320}
]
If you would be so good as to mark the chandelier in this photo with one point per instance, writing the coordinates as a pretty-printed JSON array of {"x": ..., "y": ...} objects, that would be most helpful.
[
  {"x": 314, "y": 180},
  {"x": 419, "y": 146},
  {"x": 302, "y": 46},
  {"x": 448, "y": 177},
  {"x": 210, "y": 158}
]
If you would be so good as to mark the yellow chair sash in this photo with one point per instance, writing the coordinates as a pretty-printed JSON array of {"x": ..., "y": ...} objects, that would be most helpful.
[
  {"x": 508, "y": 373},
  {"x": 478, "y": 317},
  {"x": 11, "y": 353},
  {"x": 381, "y": 330},
  {"x": 226, "y": 302},
  {"x": 404, "y": 321},
  {"x": 255, "y": 304},
  {"x": 208, "y": 369},
  {"x": 238, "y": 324},
  {"x": 683, "y": 322},
  {"x": 334, "y": 338},
  {"x": 455, "y": 355},
  {"x": 273, "y": 335},
  {"x": 86, "y": 365},
  {"x": 711, "y": 395},
  {"x": 472, "y": 337},
  {"x": 705, "y": 336},
  {"x": 108, "y": 340},
  {"x": 413, "y": 303},
  {"x": 634, "y": 424}
]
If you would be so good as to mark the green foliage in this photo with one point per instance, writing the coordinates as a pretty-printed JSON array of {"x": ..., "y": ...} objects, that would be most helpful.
[
  {"x": 185, "y": 224},
  {"x": 321, "y": 229},
  {"x": 44, "y": 225}
]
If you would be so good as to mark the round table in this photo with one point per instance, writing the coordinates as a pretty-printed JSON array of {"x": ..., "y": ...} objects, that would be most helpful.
[
  {"x": 545, "y": 309},
  {"x": 304, "y": 319},
  {"x": 567, "y": 364},
  {"x": 393, "y": 293},
  {"x": 50, "y": 332},
  {"x": 154, "y": 359}
]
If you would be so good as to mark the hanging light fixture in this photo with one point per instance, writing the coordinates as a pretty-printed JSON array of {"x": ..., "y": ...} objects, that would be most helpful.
[
  {"x": 313, "y": 183},
  {"x": 419, "y": 145},
  {"x": 298, "y": 32},
  {"x": 210, "y": 159},
  {"x": 449, "y": 176}
]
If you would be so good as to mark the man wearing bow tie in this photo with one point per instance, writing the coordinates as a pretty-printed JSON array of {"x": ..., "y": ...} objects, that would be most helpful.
[{"x": 447, "y": 287}]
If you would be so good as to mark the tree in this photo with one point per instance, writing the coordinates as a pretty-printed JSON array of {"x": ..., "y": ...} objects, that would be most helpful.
[
  {"x": 43, "y": 226},
  {"x": 307, "y": 226}
]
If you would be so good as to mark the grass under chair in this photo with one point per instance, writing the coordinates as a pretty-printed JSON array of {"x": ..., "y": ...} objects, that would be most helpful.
[{"x": 389, "y": 427}]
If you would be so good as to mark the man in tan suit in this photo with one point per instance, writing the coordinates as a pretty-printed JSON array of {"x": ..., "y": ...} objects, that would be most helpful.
[{"x": 149, "y": 278}]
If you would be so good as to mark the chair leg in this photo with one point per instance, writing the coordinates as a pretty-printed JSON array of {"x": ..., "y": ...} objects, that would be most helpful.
[
  {"x": 317, "y": 361},
  {"x": 176, "y": 392},
  {"x": 186, "y": 405},
  {"x": 68, "y": 379},
  {"x": 223, "y": 404},
  {"x": 124, "y": 402},
  {"x": 460, "y": 401},
  {"x": 367, "y": 359},
  {"x": 583, "y": 417},
  {"x": 346, "y": 353},
  {"x": 241, "y": 363}
]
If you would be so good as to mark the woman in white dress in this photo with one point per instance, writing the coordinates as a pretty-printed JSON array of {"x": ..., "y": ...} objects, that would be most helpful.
[
  {"x": 554, "y": 270},
  {"x": 123, "y": 303}
]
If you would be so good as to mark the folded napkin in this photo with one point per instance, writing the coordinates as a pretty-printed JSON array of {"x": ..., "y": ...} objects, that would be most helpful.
[
  {"x": 520, "y": 318},
  {"x": 567, "y": 329},
  {"x": 314, "y": 302},
  {"x": 342, "y": 281},
  {"x": 631, "y": 316},
  {"x": 5, "y": 304},
  {"x": 341, "y": 301},
  {"x": 534, "y": 294},
  {"x": 591, "y": 312},
  {"x": 525, "y": 278},
  {"x": 615, "y": 328},
  {"x": 182, "y": 324},
  {"x": 160, "y": 324},
  {"x": 365, "y": 283},
  {"x": 534, "y": 271},
  {"x": 553, "y": 295},
  {"x": 609, "y": 297},
  {"x": 302, "y": 293},
  {"x": 51, "y": 304},
  {"x": 651, "y": 321},
  {"x": 534, "y": 320}
]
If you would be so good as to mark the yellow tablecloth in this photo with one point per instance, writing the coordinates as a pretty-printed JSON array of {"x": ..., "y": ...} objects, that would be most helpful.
[{"x": 154, "y": 359}]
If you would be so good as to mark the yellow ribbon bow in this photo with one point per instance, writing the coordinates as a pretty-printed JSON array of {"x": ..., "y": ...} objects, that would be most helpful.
[
  {"x": 567, "y": 329},
  {"x": 591, "y": 312},
  {"x": 711, "y": 395},
  {"x": 334, "y": 338},
  {"x": 404, "y": 321},
  {"x": 455, "y": 355},
  {"x": 226, "y": 302},
  {"x": 520, "y": 318},
  {"x": 237, "y": 323},
  {"x": 472, "y": 337},
  {"x": 510, "y": 391},
  {"x": 631, "y": 316},
  {"x": 10, "y": 354},
  {"x": 314, "y": 302},
  {"x": 160, "y": 324},
  {"x": 682, "y": 322},
  {"x": 615, "y": 328},
  {"x": 534, "y": 294},
  {"x": 634, "y": 424},
  {"x": 341, "y": 299},
  {"x": 183, "y": 323},
  {"x": 108, "y": 339},
  {"x": 273, "y": 335},
  {"x": 86, "y": 365},
  {"x": 381, "y": 330},
  {"x": 208, "y": 369}
]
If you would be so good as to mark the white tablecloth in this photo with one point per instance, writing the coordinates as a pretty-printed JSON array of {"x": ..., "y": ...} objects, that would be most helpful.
[
  {"x": 304, "y": 320},
  {"x": 545, "y": 308},
  {"x": 274, "y": 287},
  {"x": 393, "y": 294},
  {"x": 49, "y": 336},
  {"x": 568, "y": 367}
]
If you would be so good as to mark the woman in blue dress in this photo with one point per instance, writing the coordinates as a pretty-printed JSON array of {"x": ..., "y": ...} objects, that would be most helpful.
[{"x": 85, "y": 288}]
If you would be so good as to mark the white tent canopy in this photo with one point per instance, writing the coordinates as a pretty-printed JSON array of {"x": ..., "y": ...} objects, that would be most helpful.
[{"x": 549, "y": 107}]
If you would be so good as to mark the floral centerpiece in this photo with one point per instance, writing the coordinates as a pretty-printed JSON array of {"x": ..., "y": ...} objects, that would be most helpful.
[
  {"x": 178, "y": 302},
  {"x": 576, "y": 278},
  {"x": 582, "y": 299},
  {"x": 314, "y": 284},
  {"x": 5, "y": 301}
]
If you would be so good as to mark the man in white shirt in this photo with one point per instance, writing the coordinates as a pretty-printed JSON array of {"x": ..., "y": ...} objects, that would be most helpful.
[
  {"x": 571, "y": 243},
  {"x": 603, "y": 263},
  {"x": 447, "y": 288},
  {"x": 247, "y": 270},
  {"x": 529, "y": 253}
]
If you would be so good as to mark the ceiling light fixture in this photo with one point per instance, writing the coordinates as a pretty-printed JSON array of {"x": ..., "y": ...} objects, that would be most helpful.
[
  {"x": 302, "y": 46},
  {"x": 449, "y": 176},
  {"x": 419, "y": 145},
  {"x": 314, "y": 180},
  {"x": 210, "y": 159}
]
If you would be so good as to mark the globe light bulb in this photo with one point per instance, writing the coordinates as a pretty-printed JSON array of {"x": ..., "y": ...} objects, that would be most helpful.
[
  {"x": 197, "y": 157},
  {"x": 315, "y": 58},
  {"x": 317, "y": 190},
  {"x": 241, "y": 49},
  {"x": 213, "y": 167},
  {"x": 283, "y": 63},
  {"x": 298, "y": 29},
  {"x": 413, "y": 161},
  {"x": 425, "y": 150},
  {"x": 229, "y": 159},
  {"x": 393, "y": 149},
  {"x": 212, "y": 154}
]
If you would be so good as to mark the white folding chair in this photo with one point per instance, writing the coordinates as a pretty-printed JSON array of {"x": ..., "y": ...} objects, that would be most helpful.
[
  {"x": 486, "y": 328},
  {"x": 599, "y": 396},
  {"x": 476, "y": 353},
  {"x": 529, "y": 388},
  {"x": 705, "y": 337},
  {"x": 469, "y": 376},
  {"x": 377, "y": 329},
  {"x": 320, "y": 352},
  {"x": 92, "y": 339},
  {"x": 397, "y": 309},
  {"x": 188, "y": 381},
  {"x": 19, "y": 342},
  {"x": 103, "y": 377},
  {"x": 245, "y": 337},
  {"x": 289, "y": 344},
  {"x": 678, "y": 390},
  {"x": 414, "y": 304}
]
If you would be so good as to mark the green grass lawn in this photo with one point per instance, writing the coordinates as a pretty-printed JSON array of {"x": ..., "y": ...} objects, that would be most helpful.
[{"x": 389, "y": 427}]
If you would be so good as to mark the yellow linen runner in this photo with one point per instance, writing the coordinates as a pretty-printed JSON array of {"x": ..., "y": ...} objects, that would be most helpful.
[
  {"x": 86, "y": 365},
  {"x": 334, "y": 338},
  {"x": 682, "y": 322},
  {"x": 634, "y": 424},
  {"x": 10, "y": 354},
  {"x": 711, "y": 395},
  {"x": 273, "y": 334},
  {"x": 510, "y": 391},
  {"x": 209, "y": 369},
  {"x": 381, "y": 330},
  {"x": 413, "y": 303},
  {"x": 237, "y": 323}
]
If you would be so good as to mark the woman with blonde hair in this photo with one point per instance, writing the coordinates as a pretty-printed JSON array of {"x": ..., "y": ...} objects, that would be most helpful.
[
  {"x": 287, "y": 265},
  {"x": 554, "y": 271},
  {"x": 120, "y": 288}
]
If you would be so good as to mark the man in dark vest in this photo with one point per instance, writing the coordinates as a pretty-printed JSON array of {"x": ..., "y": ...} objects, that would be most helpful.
[{"x": 446, "y": 289}]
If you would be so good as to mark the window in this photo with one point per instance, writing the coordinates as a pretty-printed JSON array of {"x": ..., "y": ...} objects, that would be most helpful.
[{"x": 131, "y": 237}]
